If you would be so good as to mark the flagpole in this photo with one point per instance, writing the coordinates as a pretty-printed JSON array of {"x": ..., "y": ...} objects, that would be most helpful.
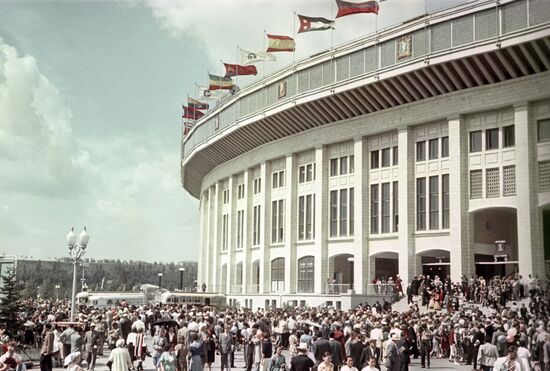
[
  {"x": 238, "y": 64},
  {"x": 332, "y": 28},
  {"x": 294, "y": 36},
  {"x": 263, "y": 48}
]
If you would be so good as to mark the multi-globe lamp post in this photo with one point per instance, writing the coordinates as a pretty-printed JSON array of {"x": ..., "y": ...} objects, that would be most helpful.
[
  {"x": 57, "y": 287},
  {"x": 76, "y": 250},
  {"x": 160, "y": 280}
]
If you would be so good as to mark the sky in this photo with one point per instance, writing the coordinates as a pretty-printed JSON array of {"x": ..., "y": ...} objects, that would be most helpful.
[{"x": 90, "y": 111}]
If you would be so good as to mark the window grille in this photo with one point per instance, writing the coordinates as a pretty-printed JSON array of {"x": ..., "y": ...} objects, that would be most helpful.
[
  {"x": 493, "y": 182},
  {"x": 544, "y": 176},
  {"x": 509, "y": 175},
  {"x": 476, "y": 184}
]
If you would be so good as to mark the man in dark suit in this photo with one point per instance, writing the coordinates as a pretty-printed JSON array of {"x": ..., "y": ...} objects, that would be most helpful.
[
  {"x": 320, "y": 346},
  {"x": 371, "y": 351},
  {"x": 336, "y": 350},
  {"x": 301, "y": 362},
  {"x": 393, "y": 357},
  {"x": 91, "y": 339},
  {"x": 47, "y": 348}
]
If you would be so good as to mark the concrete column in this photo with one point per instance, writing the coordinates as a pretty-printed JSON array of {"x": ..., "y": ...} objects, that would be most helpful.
[
  {"x": 265, "y": 229},
  {"x": 406, "y": 186},
  {"x": 203, "y": 237},
  {"x": 361, "y": 225},
  {"x": 321, "y": 220},
  {"x": 291, "y": 229},
  {"x": 462, "y": 259},
  {"x": 213, "y": 257},
  {"x": 247, "y": 268},
  {"x": 530, "y": 247},
  {"x": 231, "y": 241}
]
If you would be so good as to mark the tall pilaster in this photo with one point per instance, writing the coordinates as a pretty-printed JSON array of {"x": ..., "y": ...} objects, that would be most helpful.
[
  {"x": 229, "y": 209},
  {"x": 530, "y": 247},
  {"x": 203, "y": 239},
  {"x": 321, "y": 222},
  {"x": 406, "y": 202},
  {"x": 265, "y": 230},
  {"x": 361, "y": 188},
  {"x": 247, "y": 268},
  {"x": 461, "y": 256},
  {"x": 213, "y": 258},
  {"x": 290, "y": 224}
]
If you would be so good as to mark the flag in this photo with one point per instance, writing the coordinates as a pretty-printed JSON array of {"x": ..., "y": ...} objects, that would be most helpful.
[
  {"x": 248, "y": 57},
  {"x": 348, "y": 7},
  {"x": 314, "y": 23},
  {"x": 195, "y": 104},
  {"x": 219, "y": 82},
  {"x": 191, "y": 113},
  {"x": 187, "y": 126},
  {"x": 236, "y": 69},
  {"x": 280, "y": 43}
]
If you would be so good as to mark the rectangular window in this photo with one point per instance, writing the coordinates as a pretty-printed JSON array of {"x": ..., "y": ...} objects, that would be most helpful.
[
  {"x": 301, "y": 174},
  {"x": 281, "y": 221},
  {"x": 421, "y": 204},
  {"x": 351, "y": 211},
  {"x": 310, "y": 172},
  {"x": 386, "y": 216},
  {"x": 509, "y": 135},
  {"x": 343, "y": 212},
  {"x": 226, "y": 196},
  {"x": 306, "y": 217},
  {"x": 374, "y": 159},
  {"x": 225, "y": 232},
  {"x": 544, "y": 130},
  {"x": 395, "y": 156},
  {"x": 491, "y": 139},
  {"x": 278, "y": 179},
  {"x": 351, "y": 164},
  {"x": 240, "y": 191},
  {"x": 333, "y": 214},
  {"x": 333, "y": 166},
  {"x": 343, "y": 165},
  {"x": 445, "y": 205},
  {"x": 282, "y": 181},
  {"x": 256, "y": 226},
  {"x": 309, "y": 217},
  {"x": 240, "y": 229},
  {"x": 395, "y": 207},
  {"x": 275, "y": 181},
  {"x": 274, "y": 218},
  {"x": 374, "y": 201},
  {"x": 386, "y": 157},
  {"x": 420, "y": 151},
  {"x": 301, "y": 217},
  {"x": 434, "y": 149},
  {"x": 444, "y": 147},
  {"x": 434, "y": 202},
  {"x": 475, "y": 141},
  {"x": 257, "y": 185}
]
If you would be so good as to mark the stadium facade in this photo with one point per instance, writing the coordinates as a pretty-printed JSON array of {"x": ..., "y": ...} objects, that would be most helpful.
[{"x": 423, "y": 149}]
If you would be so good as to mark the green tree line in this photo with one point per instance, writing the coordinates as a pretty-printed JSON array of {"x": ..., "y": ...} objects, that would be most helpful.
[{"x": 39, "y": 278}]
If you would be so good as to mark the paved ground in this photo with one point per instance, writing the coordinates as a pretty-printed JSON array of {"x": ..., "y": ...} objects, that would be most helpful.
[{"x": 436, "y": 364}]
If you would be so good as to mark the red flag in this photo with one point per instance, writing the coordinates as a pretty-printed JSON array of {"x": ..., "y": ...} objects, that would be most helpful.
[
  {"x": 348, "y": 7},
  {"x": 191, "y": 113},
  {"x": 195, "y": 104},
  {"x": 237, "y": 69},
  {"x": 187, "y": 127}
]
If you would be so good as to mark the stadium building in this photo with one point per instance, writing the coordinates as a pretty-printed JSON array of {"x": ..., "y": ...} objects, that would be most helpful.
[{"x": 423, "y": 149}]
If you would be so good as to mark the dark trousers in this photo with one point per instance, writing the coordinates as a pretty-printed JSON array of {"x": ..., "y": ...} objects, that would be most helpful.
[
  {"x": 66, "y": 350},
  {"x": 476, "y": 350},
  {"x": 232, "y": 359},
  {"x": 91, "y": 357},
  {"x": 224, "y": 361},
  {"x": 46, "y": 362},
  {"x": 425, "y": 350}
]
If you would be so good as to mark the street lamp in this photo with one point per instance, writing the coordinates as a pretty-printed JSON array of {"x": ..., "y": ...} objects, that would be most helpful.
[
  {"x": 76, "y": 250},
  {"x": 181, "y": 269},
  {"x": 160, "y": 280},
  {"x": 83, "y": 279},
  {"x": 57, "y": 287}
]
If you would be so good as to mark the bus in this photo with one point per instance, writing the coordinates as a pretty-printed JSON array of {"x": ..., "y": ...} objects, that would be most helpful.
[
  {"x": 191, "y": 298},
  {"x": 107, "y": 299}
]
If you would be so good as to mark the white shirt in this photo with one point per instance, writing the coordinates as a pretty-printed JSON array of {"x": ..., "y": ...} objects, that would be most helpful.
[
  {"x": 347, "y": 368},
  {"x": 368, "y": 368},
  {"x": 376, "y": 334}
]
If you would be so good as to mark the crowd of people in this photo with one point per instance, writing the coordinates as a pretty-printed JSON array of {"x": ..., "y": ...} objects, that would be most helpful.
[{"x": 482, "y": 323}]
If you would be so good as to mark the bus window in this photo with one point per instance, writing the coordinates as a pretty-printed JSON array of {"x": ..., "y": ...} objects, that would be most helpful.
[{"x": 206, "y": 301}]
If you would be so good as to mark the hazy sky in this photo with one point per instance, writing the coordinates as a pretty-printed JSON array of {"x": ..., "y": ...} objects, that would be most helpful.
[{"x": 90, "y": 105}]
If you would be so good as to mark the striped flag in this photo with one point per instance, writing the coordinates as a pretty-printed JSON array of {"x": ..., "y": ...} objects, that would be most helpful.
[
  {"x": 219, "y": 83},
  {"x": 314, "y": 24},
  {"x": 348, "y": 7},
  {"x": 195, "y": 104},
  {"x": 280, "y": 43},
  {"x": 187, "y": 126},
  {"x": 191, "y": 113},
  {"x": 236, "y": 69}
]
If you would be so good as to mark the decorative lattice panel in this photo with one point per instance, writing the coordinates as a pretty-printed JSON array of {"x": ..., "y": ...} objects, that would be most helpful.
[
  {"x": 509, "y": 180},
  {"x": 486, "y": 24},
  {"x": 539, "y": 11},
  {"x": 544, "y": 176},
  {"x": 463, "y": 30},
  {"x": 441, "y": 37},
  {"x": 514, "y": 16},
  {"x": 342, "y": 68},
  {"x": 371, "y": 59},
  {"x": 357, "y": 63},
  {"x": 492, "y": 183},
  {"x": 476, "y": 184},
  {"x": 328, "y": 73},
  {"x": 316, "y": 77},
  {"x": 303, "y": 81},
  {"x": 387, "y": 53}
]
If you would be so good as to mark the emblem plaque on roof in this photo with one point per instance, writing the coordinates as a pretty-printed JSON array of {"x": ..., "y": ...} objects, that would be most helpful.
[
  {"x": 282, "y": 89},
  {"x": 404, "y": 47},
  {"x": 217, "y": 122}
]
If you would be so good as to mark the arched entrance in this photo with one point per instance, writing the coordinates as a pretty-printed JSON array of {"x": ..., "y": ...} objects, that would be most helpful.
[
  {"x": 435, "y": 263},
  {"x": 495, "y": 241},
  {"x": 386, "y": 265},
  {"x": 340, "y": 278}
]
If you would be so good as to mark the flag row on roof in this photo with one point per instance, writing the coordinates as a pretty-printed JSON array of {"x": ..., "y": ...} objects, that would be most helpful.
[{"x": 276, "y": 43}]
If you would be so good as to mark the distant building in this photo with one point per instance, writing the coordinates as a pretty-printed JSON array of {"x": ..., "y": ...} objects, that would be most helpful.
[{"x": 423, "y": 149}]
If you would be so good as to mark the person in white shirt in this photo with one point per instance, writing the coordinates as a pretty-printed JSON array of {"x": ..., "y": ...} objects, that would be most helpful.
[
  {"x": 371, "y": 366},
  {"x": 349, "y": 365},
  {"x": 509, "y": 362}
]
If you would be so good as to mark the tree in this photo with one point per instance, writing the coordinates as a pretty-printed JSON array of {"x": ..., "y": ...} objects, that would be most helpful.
[{"x": 11, "y": 306}]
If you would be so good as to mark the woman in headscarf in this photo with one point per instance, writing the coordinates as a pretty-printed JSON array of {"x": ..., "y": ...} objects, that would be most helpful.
[
  {"x": 72, "y": 362},
  {"x": 195, "y": 354},
  {"x": 167, "y": 361},
  {"x": 120, "y": 358}
]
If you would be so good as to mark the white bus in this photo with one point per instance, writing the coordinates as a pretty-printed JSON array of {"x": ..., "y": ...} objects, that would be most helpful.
[
  {"x": 108, "y": 299},
  {"x": 191, "y": 298}
]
